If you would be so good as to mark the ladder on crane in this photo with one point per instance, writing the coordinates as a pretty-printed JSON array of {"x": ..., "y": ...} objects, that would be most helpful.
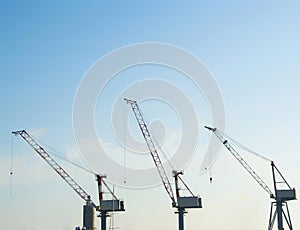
[
  {"x": 281, "y": 196},
  {"x": 181, "y": 203}
]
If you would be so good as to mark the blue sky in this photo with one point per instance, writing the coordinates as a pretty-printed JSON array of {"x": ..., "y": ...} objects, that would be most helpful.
[{"x": 251, "y": 47}]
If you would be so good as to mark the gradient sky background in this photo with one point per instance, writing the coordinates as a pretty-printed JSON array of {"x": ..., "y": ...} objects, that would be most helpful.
[{"x": 251, "y": 47}]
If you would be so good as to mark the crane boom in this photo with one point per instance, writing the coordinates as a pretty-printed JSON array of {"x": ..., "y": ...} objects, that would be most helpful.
[
  {"x": 241, "y": 161},
  {"x": 67, "y": 178},
  {"x": 152, "y": 149}
]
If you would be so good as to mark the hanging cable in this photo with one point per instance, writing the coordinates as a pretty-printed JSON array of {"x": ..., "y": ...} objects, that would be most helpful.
[
  {"x": 11, "y": 166},
  {"x": 113, "y": 212},
  {"x": 210, "y": 175},
  {"x": 159, "y": 146},
  {"x": 124, "y": 148},
  {"x": 210, "y": 170},
  {"x": 239, "y": 145},
  {"x": 52, "y": 150},
  {"x": 110, "y": 223}
]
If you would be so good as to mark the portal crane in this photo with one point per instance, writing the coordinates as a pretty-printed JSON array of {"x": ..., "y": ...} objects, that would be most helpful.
[
  {"x": 182, "y": 202},
  {"x": 90, "y": 207},
  {"x": 281, "y": 196}
]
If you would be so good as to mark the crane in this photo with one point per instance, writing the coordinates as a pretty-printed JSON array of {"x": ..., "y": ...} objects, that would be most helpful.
[
  {"x": 90, "y": 207},
  {"x": 281, "y": 196},
  {"x": 181, "y": 203}
]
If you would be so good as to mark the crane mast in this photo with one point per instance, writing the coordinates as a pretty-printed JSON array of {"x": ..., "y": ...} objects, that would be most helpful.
[{"x": 152, "y": 149}]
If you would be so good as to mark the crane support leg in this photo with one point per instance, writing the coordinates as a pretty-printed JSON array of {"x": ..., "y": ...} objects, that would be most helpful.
[
  {"x": 279, "y": 215},
  {"x": 181, "y": 212},
  {"x": 272, "y": 217},
  {"x": 280, "y": 212},
  {"x": 103, "y": 216}
]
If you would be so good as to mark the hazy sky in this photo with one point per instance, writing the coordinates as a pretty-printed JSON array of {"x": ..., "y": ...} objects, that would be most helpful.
[{"x": 252, "y": 49}]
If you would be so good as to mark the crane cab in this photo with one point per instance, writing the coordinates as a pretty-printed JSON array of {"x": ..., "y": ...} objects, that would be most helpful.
[
  {"x": 287, "y": 194},
  {"x": 189, "y": 202},
  {"x": 112, "y": 205}
]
